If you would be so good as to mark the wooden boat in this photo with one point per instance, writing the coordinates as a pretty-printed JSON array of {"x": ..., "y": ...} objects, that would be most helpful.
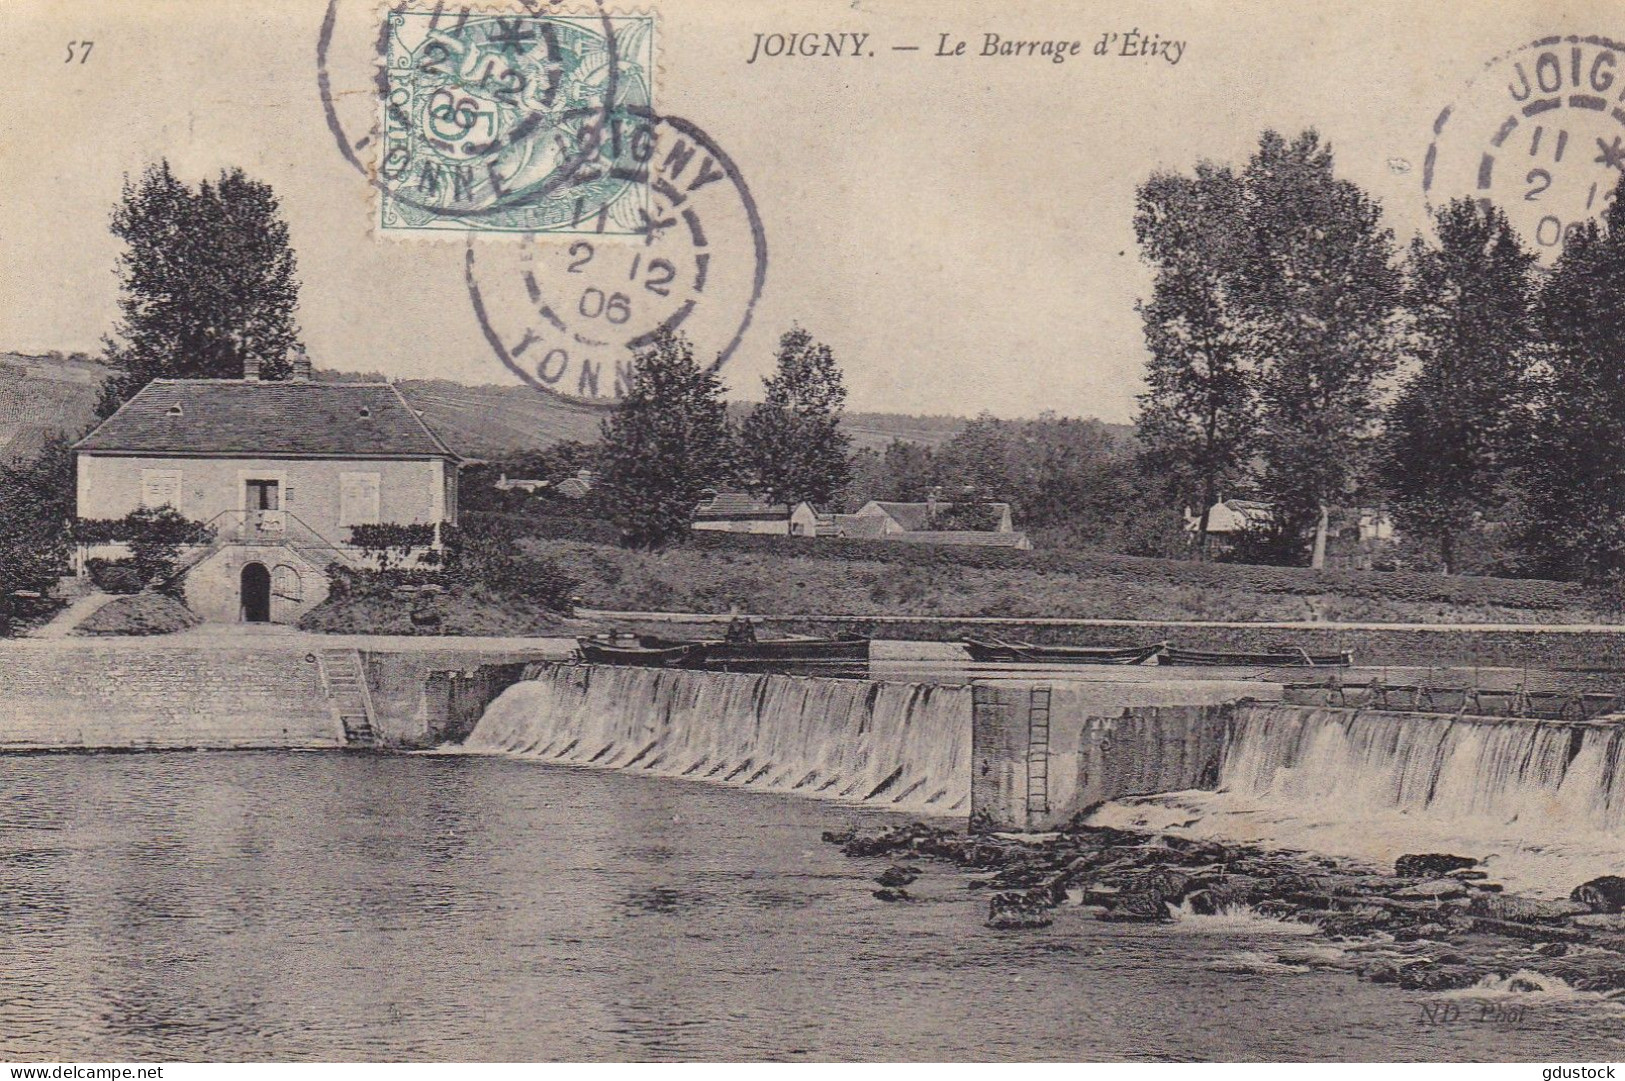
[
  {"x": 641, "y": 652},
  {"x": 992, "y": 652},
  {"x": 1280, "y": 657},
  {"x": 781, "y": 650}
]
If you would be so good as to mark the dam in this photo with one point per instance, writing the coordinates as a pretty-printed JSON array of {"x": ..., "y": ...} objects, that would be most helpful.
[
  {"x": 1222, "y": 758},
  {"x": 1242, "y": 754}
]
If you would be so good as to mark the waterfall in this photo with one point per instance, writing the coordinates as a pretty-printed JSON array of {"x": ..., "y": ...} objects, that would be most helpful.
[
  {"x": 901, "y": 745},
  {"x": 1543, "y": 775},
  {"x": 1541, "y": 801}
]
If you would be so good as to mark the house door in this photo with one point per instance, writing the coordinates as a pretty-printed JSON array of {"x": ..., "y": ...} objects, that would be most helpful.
[{"x": 256, "y": 593}]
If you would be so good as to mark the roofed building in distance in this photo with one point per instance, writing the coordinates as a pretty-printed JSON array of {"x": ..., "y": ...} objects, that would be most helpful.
[
  {"x": 739, "y": 512},
  {"x": 280, "y": 471}
]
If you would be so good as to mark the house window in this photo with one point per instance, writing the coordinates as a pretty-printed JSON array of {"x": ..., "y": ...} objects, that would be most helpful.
[
  {"x": 358, "y": 499},
  {"x": 264, "y": 495},
  {"x": 161, "y": 486}
]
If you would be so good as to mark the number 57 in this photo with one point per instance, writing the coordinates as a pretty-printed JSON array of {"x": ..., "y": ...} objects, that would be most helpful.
[{"x": 84, "y": 51}]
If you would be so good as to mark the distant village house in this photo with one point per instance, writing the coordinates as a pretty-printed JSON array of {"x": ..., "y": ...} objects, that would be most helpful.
[
  {"x": 1355, "y": 536},
  {"x": 738, "y": 512}
]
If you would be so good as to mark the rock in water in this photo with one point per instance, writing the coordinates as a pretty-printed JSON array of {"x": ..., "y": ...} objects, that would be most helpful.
[
  {"x": 898, "y": 875},
  {"x": 1142, "y": 907},
  {"x": 1016, "y": 912},
  {"x": 1428, "y": 976},
  {"x": 892, "y": 895},
  {"x": 1166, "y": 882},
  {"x": 1605, "y": 894},
  {"x": 1434, "y": 889},
  {"x": 1523, "y": 909},
  {"x": 1431, "y": 865}
]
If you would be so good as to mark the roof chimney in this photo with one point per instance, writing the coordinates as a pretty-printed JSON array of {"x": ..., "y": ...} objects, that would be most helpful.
[
  {"x": 251, "y": 368},
  {"x": 301, "y": 366}
]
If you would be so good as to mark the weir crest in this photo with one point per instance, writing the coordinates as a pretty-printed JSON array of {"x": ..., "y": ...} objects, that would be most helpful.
[{"x": 904, "y": 746}]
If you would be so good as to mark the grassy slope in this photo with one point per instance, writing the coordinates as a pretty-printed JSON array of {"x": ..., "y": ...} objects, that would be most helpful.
[
  {"x": 794, "y": 579},
  {"x": 765, "y": 583}
]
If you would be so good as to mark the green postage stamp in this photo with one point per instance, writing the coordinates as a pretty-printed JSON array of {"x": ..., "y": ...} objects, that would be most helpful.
[{"x": 515, "y": 123}]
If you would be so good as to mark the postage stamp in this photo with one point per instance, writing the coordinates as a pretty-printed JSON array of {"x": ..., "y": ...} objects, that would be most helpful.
[
  {"x": 1540, "y": 132},
  {"x": 567, "y": 319},
  {"x": 513, "y": 123}
]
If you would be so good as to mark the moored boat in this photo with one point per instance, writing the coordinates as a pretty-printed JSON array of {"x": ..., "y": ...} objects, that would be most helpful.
[
  {"x": 642, "y": 652},
  {"x": 993, "y": 652},
  {"x": 1280, "y": 657},
  {"x": 778, "y": 650}
]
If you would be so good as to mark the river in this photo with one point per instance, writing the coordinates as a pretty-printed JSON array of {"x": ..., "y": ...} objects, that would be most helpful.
[{"x": 324, "y": 906}]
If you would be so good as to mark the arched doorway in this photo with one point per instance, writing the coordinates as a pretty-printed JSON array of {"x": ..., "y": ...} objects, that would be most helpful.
[{"x": 256, "y": 593}]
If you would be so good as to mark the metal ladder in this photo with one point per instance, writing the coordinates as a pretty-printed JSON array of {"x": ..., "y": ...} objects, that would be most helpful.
[
  {"x": 1038, "y": 702},
  {"x": 347, "y": 688}
]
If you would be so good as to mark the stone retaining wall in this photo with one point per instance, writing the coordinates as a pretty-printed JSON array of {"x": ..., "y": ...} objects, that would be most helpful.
[{"x": 74, "y": 697}]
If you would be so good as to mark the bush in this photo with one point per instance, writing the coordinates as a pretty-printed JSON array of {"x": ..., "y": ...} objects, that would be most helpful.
[
  {"x": 150, "y": 613},
  {"x": 116, "y": 575},
  {"x": 386, "y": 539},
  {"x": 155, "y": 536}
]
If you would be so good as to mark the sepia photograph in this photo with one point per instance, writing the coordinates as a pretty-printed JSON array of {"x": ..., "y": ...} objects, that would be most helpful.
[{"x": 826, "y": 531}]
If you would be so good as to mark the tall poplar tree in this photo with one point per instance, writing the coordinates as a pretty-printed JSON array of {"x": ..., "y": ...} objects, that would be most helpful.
[
  {"x": 667, "y": 440},
  {"x": 791, "y": 443},
  {"x": 1450, "y": 443},
  {"x": 1198, "y": 417},
  {"x": 1321, "y": 295},
  {"x": 208, "y": 279},
  {"x": 1575, "y": 466}
]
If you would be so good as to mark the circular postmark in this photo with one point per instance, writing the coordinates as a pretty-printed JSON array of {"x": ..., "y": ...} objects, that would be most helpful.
[
  {"x": 566, "y": 314},
  {"x": 1539, "y": 133},
  {"x": 491, "y": 122}
]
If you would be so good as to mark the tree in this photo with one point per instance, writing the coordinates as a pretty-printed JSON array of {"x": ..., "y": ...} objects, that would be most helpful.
[
  {"x": 1575, "y": 468},
  {"x": 1450, "y": 440},
  {"x": 1321, "y": 294},
  {"x": 36, "y": 506},
  {"x": 1198, "y": 418},
  {"x": 207, "y": 281},
  {"x": 979, "y": 460},
  {"x": 667, "y": 441},
  {"x": 792, "y": 443}
]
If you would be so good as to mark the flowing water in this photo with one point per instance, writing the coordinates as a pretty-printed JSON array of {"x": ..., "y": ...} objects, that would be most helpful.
[
  {"x": 1542, "y": 802},
  {"x": 331, "y": 906},
  {"x": 904, "y": 746}
]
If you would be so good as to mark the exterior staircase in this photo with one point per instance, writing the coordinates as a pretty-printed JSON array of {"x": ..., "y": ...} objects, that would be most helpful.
[{"x": 345, "y": 682}]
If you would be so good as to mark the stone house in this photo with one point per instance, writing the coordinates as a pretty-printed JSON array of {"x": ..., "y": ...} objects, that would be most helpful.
[
  {"x": 739, "y": 512},
  {"x": 898, "y": 517},
  {"x": 896, "y": 521},
  {"x": 280, "y": 471}
]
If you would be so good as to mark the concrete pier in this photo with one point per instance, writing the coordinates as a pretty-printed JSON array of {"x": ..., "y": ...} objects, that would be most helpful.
[{"x": 1042, "y": 751}]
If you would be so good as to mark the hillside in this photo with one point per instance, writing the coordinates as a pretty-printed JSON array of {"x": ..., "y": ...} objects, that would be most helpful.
[
  {"x": 39, "y": 394},
  {"x": 491, "y": 421}
]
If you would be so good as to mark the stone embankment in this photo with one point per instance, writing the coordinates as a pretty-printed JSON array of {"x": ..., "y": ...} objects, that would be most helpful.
[
  {"x": 1433, "y": 922},
  {"x": 225, "y": 691}
]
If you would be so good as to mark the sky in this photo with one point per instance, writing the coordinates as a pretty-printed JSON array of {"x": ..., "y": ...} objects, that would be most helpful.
[{"x": 956, "y": 228}]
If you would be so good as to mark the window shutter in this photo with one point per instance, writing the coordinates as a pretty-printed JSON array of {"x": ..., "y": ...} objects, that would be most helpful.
[
  {"x": 161, "y": 486},
  {"x": 358, "y": 499}
]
